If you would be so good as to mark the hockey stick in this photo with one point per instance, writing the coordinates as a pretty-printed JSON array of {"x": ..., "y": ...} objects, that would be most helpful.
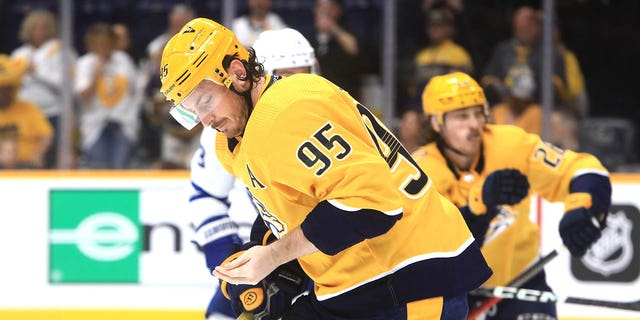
[
  {"x": 632, "y": 305},
  {"x": 522, "y": 294},
  {"x": 245, "y": 316},
  {"x": 518, "y": 281},
  {"x": 550, "y": 297}
]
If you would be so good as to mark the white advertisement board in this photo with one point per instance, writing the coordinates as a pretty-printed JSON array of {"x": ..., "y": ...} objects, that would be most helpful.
[
  {"x": 121, "y": 241},
  {"x": 99, "y": 241}
]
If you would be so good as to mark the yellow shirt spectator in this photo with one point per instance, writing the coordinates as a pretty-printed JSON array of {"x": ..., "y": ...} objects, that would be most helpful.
[{"x": 30, "y": 126}]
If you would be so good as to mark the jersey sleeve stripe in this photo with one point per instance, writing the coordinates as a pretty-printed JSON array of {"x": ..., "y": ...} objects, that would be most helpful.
[
  {"x": 344, "y": 207},
  {"x": 326, "y": 220},
  {"x": 588, "y": 171}
]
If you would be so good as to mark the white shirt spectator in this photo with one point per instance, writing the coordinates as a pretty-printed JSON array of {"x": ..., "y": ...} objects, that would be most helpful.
[
  {"x": 247, "y": 32},
  {"x": 114, "y": 98},
  {"x": 43, "y": 85}
]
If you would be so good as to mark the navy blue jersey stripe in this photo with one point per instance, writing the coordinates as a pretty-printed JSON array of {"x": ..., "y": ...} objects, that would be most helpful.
[
  {"x": 326, "y": 221},
  {"x": 597, "y": 185}
]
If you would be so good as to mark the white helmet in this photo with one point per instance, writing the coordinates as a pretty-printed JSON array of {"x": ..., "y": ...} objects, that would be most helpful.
[{"x": 284, "y": 48}]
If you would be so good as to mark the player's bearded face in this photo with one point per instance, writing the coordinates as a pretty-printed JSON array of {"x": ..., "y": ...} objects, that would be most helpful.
[
  {"x": 218, "y": 107},
  {"x": 462, "y": 130}
]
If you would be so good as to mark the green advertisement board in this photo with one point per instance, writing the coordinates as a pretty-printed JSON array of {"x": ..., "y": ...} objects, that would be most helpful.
[{"x": 94, "y": 236}]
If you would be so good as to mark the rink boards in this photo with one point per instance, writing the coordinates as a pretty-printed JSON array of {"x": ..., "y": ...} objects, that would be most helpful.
[{"x": 116, "y": 245}]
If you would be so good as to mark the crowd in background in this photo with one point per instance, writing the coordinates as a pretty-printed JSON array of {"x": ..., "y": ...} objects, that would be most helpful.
[{"x": 122, "y": 120}]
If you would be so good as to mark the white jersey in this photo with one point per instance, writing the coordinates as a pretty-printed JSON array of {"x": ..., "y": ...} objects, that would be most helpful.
[
  {"x": 114, "y": 98},
  {"x": 247, "y": 33},
  {"x": 219, "y": 201},
  {"x": 43, "y": 86}
]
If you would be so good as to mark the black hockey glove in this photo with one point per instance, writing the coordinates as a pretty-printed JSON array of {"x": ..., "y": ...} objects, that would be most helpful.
[
  {"x": 506, "y": 186},
  {"x": 581, "y": 224},
  {"x": 270, "y": 298},
  {"x": 586, "y": 210}
]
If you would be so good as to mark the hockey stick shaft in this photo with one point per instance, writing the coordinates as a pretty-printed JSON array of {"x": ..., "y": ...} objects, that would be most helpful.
[
  {"x": 540, "y": 296},
  {"x": 522, "y": 294},
  {"x": 633, "y": 306},
  {"x": 518, "y": 281},
  {"x": 245, "y": 316}
]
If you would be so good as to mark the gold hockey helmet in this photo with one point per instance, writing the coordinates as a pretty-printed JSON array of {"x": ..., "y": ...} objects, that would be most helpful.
[
  {"x": 451, "y": 92},
  {"x": 196, "y": 52}
]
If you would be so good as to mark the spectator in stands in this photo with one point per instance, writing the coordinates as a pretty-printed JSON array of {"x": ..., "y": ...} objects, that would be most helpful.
[
  {"x": 259, "y": 18},
  {"x": 42, "y": 84},
  {"x": 337, "y": 49},
  {"x": 565, "y": 127},
  {"x": 160, "y": 142},
  {"x": 26, "y": 133},
  {"x": 123, "y": 37},
  {"x": 521, "y": 57},
  {"x": 105, "y": 82},
  {"x": 180, "y": 14},
  {"x": 412, "y": 133},
  {"x": 573, "y": 94},
  {"x": 441, "y": 56},
  {"x": 455, "y": 5},
  {"x": 123, "y": 44},
  {"x": 518, "y": 107}
]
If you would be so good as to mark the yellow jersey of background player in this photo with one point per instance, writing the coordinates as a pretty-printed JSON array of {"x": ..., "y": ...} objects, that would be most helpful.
[{"x": 512, "y": 240}]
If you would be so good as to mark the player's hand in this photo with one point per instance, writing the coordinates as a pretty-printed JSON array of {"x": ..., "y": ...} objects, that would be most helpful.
[
  {"x": 272, "y": 296},
  {"x": 581, "y": 226},
  {"x": 249, "y": 267},
  {"x": 506, "y": 186}
]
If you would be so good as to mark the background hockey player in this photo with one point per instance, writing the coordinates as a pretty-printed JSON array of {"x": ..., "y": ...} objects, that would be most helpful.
[
  {"x": 221, "y": 209},
  {"x": 319, "y": 169},
  {"x": 486, "y": 170}
]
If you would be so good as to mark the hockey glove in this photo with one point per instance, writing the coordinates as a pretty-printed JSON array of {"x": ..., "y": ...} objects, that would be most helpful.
[
  {"x": 270, "y": 298},
  {"x": 506, "y": 186},
  {"x": 581, "y": 224}
]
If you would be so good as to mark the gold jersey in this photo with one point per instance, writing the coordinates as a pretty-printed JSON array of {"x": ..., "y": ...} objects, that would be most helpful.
[
  {"x": 313, "y": 157},
  {"x": 512, "y": 240}
]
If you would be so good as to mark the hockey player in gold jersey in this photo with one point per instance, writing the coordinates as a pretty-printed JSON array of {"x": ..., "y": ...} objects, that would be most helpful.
[
  {"x": 486, "y": 170},
  {"x": 330, "y": 181}
]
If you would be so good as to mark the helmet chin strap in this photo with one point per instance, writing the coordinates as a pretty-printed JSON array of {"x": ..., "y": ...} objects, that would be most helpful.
[{"x": 445, "y": 145}]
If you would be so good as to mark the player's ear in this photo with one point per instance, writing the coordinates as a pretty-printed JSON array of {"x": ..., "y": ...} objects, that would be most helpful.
[
  {"x": 434, "y": 124},
  {"x": 239, "y": 76}
]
